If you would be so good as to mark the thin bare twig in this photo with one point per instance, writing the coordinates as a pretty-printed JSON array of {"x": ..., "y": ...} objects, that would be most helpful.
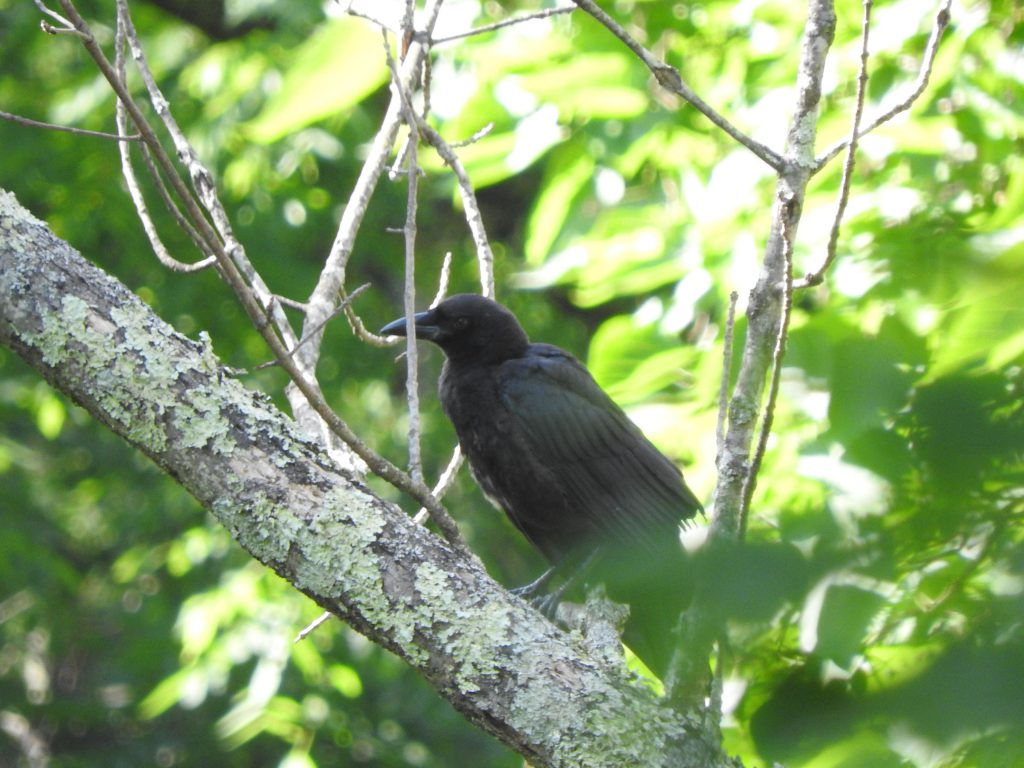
[
  {"x": 815, "y": 277},
  {"x": 208, "y": 237},
  {"x": 409, "y": 230},
  {"x": 670, "y": 79},
  {"x": 406, "y": 29},
  {"x": 49, "y": 29},
  {"x": 723, "y": 387},
  {"x": 352, "y": 11},
  {"x": 176, "y": 213},
  {"x": 134, "y": 188},
  {"x": 414, "y": 122},
  {"x": 426, "y": 81},
  {"x": 764, "y": 306},
  {"x": 314, "y": 625},
  {"x": 30, "y": 123},
  {"x": 444, "y": 482},
  {"x": 345, "y": 302},
  {"x": 66, "y": 26},
  {"x": 301, "y": 306},
  {"x": 690, "y": 677},
  {"x": 332, "y": 276},
  {"x": 484, "y": 255},
  {"x": 474, "y": 138},
  {"x": 363, "y": 333},
  {"x": 438, "y": 514},
  {"x": 920, "y": 84},
  {"x": 160, "y": 104},
  {"x": 397, "y": 169},
  {"x": 314, "y": 414},
  {"x": 141, "y": 209},
  {"x": 443, "y": 279},
  {"x": 506, "y": 23}
]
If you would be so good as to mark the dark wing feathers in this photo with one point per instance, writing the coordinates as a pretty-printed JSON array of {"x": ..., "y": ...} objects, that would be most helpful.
[{"x": 623, "y": 485}]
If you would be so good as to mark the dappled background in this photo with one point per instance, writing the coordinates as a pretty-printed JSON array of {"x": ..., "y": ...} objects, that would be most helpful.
[{"x": 875, "y": 615}]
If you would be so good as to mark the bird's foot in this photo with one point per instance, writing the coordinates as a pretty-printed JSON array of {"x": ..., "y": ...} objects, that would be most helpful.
[
  {"x": 545, "y": 602},
  {"x": 548, "y": 603}
]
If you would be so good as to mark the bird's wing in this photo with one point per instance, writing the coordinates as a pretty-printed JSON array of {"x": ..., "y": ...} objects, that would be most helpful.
[{"x": 626, "y": 488}]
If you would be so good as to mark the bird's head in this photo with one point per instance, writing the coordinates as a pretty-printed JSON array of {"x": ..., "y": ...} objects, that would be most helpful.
[{"x": 469, "y": 328}]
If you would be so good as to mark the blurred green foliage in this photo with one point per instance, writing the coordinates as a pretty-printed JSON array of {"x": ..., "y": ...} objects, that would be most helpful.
[{"x": 875, "y": 614}]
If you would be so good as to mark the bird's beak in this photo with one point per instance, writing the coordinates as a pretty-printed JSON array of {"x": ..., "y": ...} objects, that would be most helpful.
[{"x": 426, "y": 326}]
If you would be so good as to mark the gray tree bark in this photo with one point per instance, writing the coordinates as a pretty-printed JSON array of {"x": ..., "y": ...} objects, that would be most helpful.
[{"x": 494, "y": 658}]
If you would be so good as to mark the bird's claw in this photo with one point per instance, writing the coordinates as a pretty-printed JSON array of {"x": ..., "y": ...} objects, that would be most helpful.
[{"x": 548, "y": 603}]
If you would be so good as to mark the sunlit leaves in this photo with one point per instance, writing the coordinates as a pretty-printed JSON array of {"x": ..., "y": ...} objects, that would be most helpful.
[
  {"x": 986, "y": 325},
  {"x": 50, "y": 415},
  {"x": 346, "y": 680},
  {"x": 633, "y": 361},
  {"x": 567, "y": 173},
  {"x": 591, "y": 85},
  {"x": 613, "y": 259},
  {"x": 334, "y": 70}
]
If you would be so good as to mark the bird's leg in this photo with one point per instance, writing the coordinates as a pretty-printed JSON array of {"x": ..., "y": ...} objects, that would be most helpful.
[
  {"x": 548, "y": 604},
  {"x": 529, "y": 590}
]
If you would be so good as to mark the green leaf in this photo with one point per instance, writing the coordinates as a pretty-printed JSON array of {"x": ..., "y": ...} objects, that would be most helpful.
[
  {"x": 631, "y": 362},
  {"x": 187, "y": 683},
  {"x": 987, "y": 324},
  {"x": 625, "y": 253},
  {"x": 892, "y": 665},
  {"x": 843, "y": 623},
  {"x": 884, "y": 361},
  {"x": 50, "y": 415},
  {"x": 346, "y": 680},
  {"x": 590, "y": 85},
  {"x": 606, "y": 102},
  {"x": 297, "y": 758},
  {"x": 334, "y": 70},
  {"x": 566, "y": 173}
]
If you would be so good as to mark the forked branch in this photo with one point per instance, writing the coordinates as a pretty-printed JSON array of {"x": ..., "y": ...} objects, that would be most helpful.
[{"x": 670, "y": 79}]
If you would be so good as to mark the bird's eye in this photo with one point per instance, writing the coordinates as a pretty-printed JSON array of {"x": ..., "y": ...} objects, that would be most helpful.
[{"x": 461, "y": 323}]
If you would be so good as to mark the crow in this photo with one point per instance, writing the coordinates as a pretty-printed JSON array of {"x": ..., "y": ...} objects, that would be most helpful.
[{"x": 577, "y": 478}]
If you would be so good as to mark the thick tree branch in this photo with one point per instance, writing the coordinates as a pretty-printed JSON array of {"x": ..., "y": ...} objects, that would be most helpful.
[{"x": 494, "y": 658}]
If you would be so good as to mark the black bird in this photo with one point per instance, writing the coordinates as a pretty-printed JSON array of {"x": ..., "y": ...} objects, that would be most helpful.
[{"x": 563, "y": 461}]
